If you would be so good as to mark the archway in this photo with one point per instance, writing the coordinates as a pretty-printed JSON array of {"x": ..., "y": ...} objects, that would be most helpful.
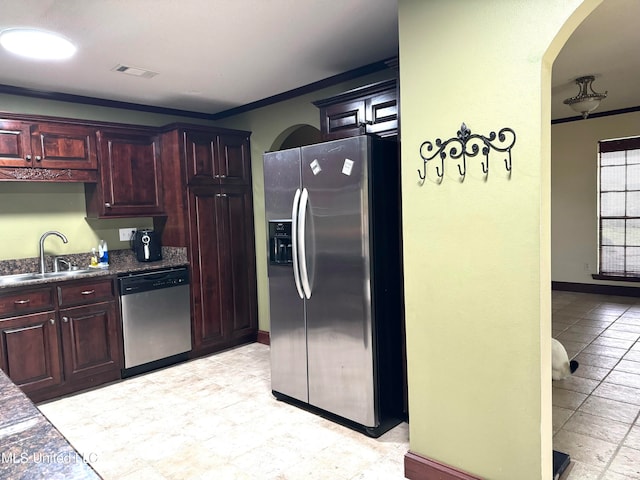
[
  {"x": 296, "y": 136},
  {"x": 574, "y": 250}
]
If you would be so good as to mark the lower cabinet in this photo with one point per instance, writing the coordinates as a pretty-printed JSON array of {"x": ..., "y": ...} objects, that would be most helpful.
[
  {"x": 30, "y": 351},
  {"x": 89, "y": 341},
  {"x": 223, "y": 267},
  {"x": 72, "y": 345}
]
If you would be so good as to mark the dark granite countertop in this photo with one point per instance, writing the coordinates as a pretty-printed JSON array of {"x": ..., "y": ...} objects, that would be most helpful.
[
  {"x": 31, "y": 448},
  {"x": 121, "y": 262}
]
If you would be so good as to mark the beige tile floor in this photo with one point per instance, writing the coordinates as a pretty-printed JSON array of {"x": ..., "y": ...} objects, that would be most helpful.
[
  {"x": 215, "y": 418},
  {"x": 596, "y": 411}
]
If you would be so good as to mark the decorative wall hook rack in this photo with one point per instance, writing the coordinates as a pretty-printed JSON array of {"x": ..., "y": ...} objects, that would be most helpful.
[{"x": 467, "y": 144}]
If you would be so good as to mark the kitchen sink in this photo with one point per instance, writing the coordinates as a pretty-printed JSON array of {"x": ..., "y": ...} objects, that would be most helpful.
[
  {"x": 20, "y": 277},
  {"x": 25, "y": 277}
]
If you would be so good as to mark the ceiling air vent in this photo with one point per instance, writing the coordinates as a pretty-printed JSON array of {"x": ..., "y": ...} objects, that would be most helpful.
[{"x": 135, "y": 71}]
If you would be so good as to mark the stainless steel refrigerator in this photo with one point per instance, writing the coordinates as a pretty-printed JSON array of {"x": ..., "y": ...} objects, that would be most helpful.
[{"x": 335, "y": 281}]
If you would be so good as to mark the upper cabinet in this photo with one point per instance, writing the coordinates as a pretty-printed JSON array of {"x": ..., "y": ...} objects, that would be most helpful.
[
  {"x": 371, "y": 109},
  {"x": 130, "y": 175},
  {"x": 217, "y": 158},
  {"x": 47, "y": 151},
  {"x": 15, "y": 145}
]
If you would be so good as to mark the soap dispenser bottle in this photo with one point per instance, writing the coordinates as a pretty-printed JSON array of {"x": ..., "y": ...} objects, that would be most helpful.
[{"x": 103, "y": 253}]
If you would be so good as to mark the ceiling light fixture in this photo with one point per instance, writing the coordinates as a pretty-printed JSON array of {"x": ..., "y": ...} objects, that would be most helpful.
[
  {"x": 37, "y": 44},
  {"x": 585, "y": 102}
]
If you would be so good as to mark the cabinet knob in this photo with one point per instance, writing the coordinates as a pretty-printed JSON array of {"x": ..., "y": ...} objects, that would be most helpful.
[
  {"x": 28, "y": 158},
  {"x": 65, "y": 319},
  {"x": 22, "y": 302},
  {"x": 38, "y": 158},
  {"x": 87, "y": 292},
  {"x": 107, "y": 205},
  {"x": 52, "y": 321}
]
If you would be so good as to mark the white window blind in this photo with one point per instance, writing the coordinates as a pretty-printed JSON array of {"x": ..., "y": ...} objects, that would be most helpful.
[{"x": 619, "y": 216}]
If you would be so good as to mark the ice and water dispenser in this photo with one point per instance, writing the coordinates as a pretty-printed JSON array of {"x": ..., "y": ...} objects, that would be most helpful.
[{"x": 280, "y": 251}]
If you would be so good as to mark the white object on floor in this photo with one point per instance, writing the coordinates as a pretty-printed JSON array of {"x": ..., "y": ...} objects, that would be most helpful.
[{"x": 561, "y": 367}]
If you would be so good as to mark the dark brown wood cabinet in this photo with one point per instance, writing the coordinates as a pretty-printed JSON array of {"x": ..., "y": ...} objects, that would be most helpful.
[
  {"x": 29, "y": 351},
  {"x": 221, "y": 241},
  {"x": 29, "y": 346},
  {"x": 60, "y": 338},
  {"x": 372, "y": 109},
  {"x": 89, "y": 341},
  {"x": 15, "y": 145},
  {"x": 47, "y": 151},
  {"x": 130, "y": 175},
  {"x": 89, "y": 329},
  {"x": 210, "y": 211},
  {"x": 217, "y": 159}
]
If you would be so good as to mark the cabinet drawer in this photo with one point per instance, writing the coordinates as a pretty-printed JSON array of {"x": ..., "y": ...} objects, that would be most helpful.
[
  {"x": 26, "y": 301},
  {"x": 85, "y": 292}
]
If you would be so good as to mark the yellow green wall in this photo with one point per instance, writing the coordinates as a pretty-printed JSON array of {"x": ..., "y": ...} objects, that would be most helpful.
[
  {"x": 27, "y": 210},
  {"x": 574, "y": 193},
  {"x": 477, "y": 253}
]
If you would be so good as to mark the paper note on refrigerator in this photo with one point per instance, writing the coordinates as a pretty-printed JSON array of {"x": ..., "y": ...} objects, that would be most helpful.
[
  {"x": 347, "y": 166},
  {"x": 315, "y": 167}
]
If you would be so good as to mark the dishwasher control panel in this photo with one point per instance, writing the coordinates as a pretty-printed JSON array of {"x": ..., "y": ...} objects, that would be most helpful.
[{"x": 143, "y": 282}]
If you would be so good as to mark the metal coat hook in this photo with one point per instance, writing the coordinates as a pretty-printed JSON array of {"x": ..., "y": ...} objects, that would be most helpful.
[
  {"x": 507, "y": 162},
  {"x": 463, "y": 145},
  {"x": 463, "y": 170},
  {"x": 485, "y": 166}
]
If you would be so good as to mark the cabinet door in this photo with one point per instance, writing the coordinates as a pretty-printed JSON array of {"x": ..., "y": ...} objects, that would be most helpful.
[
  {"x": 369, "y": 109},
  {"x": 15, "y": 149},
  {"x": 234, "y": 167},
  {"x": 64, "y": 146},
  {"x": 343, "y": 120},
  {"x": 30, "y": 351},
  {"x": 130, "y": 174},
  {"x": 201, "y": 151},
  {"x": 89, "y": 340},
  {"x": 206, "y": 269},
  {"x": 236, "y": 249},
  {"x": 217, "y": 159},
  {"x": 382, "y": 114},
  {"x": 223, "y": 262}
]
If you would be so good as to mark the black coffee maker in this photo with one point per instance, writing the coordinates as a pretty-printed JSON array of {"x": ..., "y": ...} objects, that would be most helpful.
[{"x": 146, "y": 246}]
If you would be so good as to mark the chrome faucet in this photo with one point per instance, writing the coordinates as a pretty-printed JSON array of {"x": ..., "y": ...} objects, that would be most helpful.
[
  {"x": 43, "y": 267},
  {"x": 59, "y": 260}
]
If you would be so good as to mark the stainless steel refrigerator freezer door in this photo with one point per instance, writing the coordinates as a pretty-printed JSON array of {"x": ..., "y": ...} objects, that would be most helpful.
[
  {"x": 339, "y": 325},
  {"x": 288, "y": 328}
]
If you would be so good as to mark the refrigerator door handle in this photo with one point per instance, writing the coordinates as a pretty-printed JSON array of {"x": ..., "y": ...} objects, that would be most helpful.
[
  {"x": 294, "y": 242},
  {"x": 304, "y": 276}
]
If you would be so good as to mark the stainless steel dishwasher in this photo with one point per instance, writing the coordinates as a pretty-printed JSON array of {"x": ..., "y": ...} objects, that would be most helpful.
[{"x": 156, "y": 319}]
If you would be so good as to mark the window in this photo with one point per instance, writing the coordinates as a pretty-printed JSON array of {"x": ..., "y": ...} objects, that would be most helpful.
[{"x": 619, "y": 216}]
